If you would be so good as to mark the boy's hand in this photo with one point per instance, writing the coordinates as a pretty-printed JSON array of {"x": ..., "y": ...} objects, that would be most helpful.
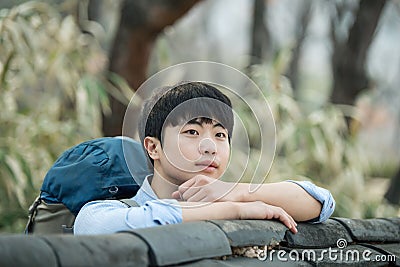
[
  {"x": 260, "y": 210},
  {"x": 202, "y": 188},
  {"x": 206, "y": 189}
]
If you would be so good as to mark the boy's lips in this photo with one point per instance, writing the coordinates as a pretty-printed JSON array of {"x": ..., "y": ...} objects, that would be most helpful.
[{"x": 208, "y": 165}]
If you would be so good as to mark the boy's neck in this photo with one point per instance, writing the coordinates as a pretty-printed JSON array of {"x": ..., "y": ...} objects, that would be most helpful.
[{"x": 161, "y": 187}]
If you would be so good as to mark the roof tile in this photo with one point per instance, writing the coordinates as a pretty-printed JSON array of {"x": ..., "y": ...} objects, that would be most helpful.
[
  {"x": 372, "y": 230},
  {"x": 178, "y": 243},
  {"x": 23, "y": 251},
  {"x": 320, "y": 235},
  {"x": 391, "y": 251},
  {"x": 242, "y": 261},
  {"x": 252, "y": 232},
  {"x": 353, "y": 255},
  {"x": 100, "y": 250}
]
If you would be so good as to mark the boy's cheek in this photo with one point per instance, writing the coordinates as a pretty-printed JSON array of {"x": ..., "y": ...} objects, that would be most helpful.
[{"x": 225, "y": 152}]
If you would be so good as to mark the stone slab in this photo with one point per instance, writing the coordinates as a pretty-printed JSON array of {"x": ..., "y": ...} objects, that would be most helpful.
[
  {"x": 321, "y": 235},
  {"x": 390, "y": 251},
  {"x": 372, "y": 230},
  {"x": 178, "y": 243},
  {"x": 97, "y": 251},
  {"x": 243, "y": 261},
  {"x": 252, "y": 232},
  {"x": 352, "y": 255},
  {"x": 25, "y": 251}
]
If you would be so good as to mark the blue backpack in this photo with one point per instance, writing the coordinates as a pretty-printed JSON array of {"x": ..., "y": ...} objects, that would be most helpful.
[{"x": 103, "y": 168}]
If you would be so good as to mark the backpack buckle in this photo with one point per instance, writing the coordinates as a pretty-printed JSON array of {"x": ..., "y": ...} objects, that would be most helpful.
[
  {"x": 34, "y": 205},
  {"x": 67, "y": 230}
]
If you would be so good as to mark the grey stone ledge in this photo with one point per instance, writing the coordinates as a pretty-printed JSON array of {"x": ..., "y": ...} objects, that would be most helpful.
[
  {"x": 252, "y": 232},
  {"x": 209, "y": 243},
  {"x": 320, "y": 235},
  {"x": 99, "y": 250},
  {"x": 178, "y": 243},
  {"x": 20, "y": 250},
  {"x": 372, "y": 230}
]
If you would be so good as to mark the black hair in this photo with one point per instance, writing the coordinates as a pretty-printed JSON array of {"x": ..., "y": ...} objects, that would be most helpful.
[{"x": 178, "y": 104}]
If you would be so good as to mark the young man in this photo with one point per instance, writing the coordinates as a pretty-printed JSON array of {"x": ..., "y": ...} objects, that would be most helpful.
[{"x": 186, "y": 131}]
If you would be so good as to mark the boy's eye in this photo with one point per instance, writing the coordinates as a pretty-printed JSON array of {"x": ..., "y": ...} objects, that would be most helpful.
[
  {"x": 192, "y": 132},
  {"x": 221, "y": 135}
]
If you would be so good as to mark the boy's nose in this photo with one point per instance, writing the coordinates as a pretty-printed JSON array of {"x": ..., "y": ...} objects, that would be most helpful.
[{"x": 207, "y": 146}]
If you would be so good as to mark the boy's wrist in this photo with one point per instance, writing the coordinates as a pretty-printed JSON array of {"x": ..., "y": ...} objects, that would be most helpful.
[
  {"x": 240, "y": 193},
  {"x": 236, "y": 207}
]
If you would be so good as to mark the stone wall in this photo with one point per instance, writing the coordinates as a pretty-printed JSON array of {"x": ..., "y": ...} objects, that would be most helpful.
[{"x": 339, "y": 241}]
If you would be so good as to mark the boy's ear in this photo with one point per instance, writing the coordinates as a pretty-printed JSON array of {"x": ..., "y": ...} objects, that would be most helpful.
[{"x": 152, "y": 145}]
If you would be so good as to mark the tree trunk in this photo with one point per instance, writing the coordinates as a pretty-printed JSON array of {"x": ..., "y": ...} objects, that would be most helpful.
[
  {"x": 260, "y": 34},
  {"x": 348, "y": 59},
  {"x": 141, "y": 22},
  {"x": 348, "y": 68},
  {"x": 293, "y": 71},
  {"x": 393, "y": 192}
]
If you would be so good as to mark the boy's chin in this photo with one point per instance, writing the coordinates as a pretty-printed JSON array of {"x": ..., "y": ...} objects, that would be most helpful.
[
  {"x": 206, "y": 172},
  {"x": 211, "y": 174},
  {"x": 210, "y": 170}
]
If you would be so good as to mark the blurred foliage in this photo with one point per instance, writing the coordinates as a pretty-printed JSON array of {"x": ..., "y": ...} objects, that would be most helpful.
[
  {"x": 312, "y": 143},
  {"x": 50, "y": 99},
  {"x": 316, "y": 145}
]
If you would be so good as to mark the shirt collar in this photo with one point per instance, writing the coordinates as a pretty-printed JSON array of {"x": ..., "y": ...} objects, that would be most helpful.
[{"x": 146, "y": 193}]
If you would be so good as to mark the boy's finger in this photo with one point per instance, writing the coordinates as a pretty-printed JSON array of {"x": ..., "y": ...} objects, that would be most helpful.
[
  {"x": 292, "y": 226},
  {"x": 292, "y": 221},
  {"x": 176, "y": 195},
  {"x": 190, "y": 192},
  {"x": 186, "y": 185},
  {"x": 290, "y": 218},
  {"x": 287, "y": 220},
  {"x": 293, "y": 229},
  {"x": 197, "y": 197}
]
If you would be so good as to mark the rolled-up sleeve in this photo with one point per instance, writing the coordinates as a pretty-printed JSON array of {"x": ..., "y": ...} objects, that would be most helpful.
[
  {"x": 110, "y": 216},
  {"x": 323, "y": 196}
]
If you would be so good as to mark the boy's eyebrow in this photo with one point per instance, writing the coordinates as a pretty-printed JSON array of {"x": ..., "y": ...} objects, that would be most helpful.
[
  {"x": 218, "y": 125},
  {"x": 196, "y": 121}
]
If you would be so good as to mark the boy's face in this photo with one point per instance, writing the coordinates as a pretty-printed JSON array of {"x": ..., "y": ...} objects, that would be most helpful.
[{"x": 197, "y": 147}]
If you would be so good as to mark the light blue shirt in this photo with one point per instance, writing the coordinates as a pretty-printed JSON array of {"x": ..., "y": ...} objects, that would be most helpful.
[
  {"x": 110, "y": 216},
  {"x": 323, "y": 196}
]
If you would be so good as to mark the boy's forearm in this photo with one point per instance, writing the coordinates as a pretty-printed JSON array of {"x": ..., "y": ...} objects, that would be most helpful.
[
  {"x": 289, "y": 196},
  {"x": 301, "y": 200},
  {"x": 195, "y": 211}
]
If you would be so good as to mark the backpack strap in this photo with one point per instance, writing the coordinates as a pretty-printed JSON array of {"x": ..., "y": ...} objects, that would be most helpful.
[
  {"x": 129, "y": 202},
  {"x": 65, "y": 229},
  {"x": 32, "y": 213}
]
